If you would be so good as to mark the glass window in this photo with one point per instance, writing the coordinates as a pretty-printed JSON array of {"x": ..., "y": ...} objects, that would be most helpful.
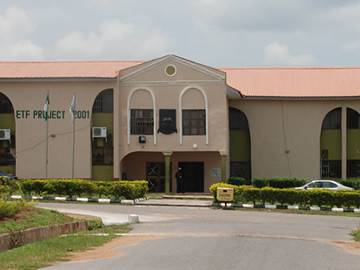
[
  {"x": 104, "y": 102},
  {"x": 332, "y": 120},
  {"x": 353, "y": 119},
  {"x": 5, "y": 105},
  {"x": 237, "y": 119},
  {"x": 102, "y": 151},
  {"x": 142, "y": 122},
  {"x": 328, "y": 185},
  {"x": 194, "y": 122}
]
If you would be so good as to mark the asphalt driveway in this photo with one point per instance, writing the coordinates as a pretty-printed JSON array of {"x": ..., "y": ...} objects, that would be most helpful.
[{"x": 202, "y": 238}]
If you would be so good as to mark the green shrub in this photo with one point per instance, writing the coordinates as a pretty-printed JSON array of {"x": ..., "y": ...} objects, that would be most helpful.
[
  {"x": 260, "y": 182},
  {"x": 286, "y": 182},
  {"x": 10, "y": 208},
  {"x": 278, "y": 182},
  {"x": 79, "y": 187},
  {"x": 351, "y": 182},
  {"x": 8, "y": 186},
  {"x": 239, "y": 181},
  {"x": 303, "y": 198}
]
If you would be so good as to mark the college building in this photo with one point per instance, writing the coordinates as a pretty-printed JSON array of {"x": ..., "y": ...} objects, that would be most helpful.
[{"x": 145, "y": 120}]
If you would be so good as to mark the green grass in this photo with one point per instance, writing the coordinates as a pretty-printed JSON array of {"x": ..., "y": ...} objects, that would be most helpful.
[
  {"x": 356, "y": 234},
  {"x": 47, "y": 252},
  {"x": 32, "y": 217}
]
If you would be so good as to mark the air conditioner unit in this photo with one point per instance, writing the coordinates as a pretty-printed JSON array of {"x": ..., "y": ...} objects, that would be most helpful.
[
  {"x": 99, "y": 132},
  {"x": 5, "y": 135}
]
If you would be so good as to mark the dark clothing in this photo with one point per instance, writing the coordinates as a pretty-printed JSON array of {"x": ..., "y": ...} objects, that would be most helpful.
[{"x": 179, "y": 182}]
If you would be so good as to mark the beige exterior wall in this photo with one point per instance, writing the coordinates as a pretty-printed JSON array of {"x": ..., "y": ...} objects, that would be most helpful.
[
  {"x": 285, "y": 135},
  {"x": 31, "y": 133},
  {"x": 188, "y": 86}
]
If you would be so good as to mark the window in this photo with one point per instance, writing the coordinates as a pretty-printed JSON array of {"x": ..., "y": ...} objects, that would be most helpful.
[
  {"x": 353, "y": 119},
  {"x": 237, "y": 119},
  {"x": 102, "y": 151},
  {"x": 104, "y": 102},
  {"x": 332, "y": 120},
  {"x": 142, "y": 122},
  {"x": 5, "y": 105},
  {"x": 193, "y": 122}
]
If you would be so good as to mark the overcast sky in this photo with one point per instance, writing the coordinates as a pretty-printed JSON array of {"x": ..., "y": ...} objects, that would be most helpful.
[{"x": 220, "y": 33}]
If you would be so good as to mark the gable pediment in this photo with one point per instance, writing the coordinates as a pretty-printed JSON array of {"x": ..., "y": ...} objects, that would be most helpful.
[{"x": 185, "y": 70}]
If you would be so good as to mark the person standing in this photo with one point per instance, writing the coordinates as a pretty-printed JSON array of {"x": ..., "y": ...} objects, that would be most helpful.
[{"x": 179, "y": 180}]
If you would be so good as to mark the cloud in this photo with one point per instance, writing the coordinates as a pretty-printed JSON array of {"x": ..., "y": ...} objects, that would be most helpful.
[
  {"x": 15, "y": 28},
  {"x": 113, "y": 38},
  {"x": 277, "y": 53}
]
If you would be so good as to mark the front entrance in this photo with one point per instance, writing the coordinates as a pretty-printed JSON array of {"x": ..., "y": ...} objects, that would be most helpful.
[
  {"x": 192, "y": 177},
  {"x": 155, "y": 175}
]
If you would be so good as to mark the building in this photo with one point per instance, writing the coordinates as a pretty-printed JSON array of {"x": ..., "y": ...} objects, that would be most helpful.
[{"x": 136, "y": 120}]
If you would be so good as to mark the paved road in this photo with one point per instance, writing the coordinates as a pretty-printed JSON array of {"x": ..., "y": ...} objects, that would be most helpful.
[{"x": 201, "y": 238}]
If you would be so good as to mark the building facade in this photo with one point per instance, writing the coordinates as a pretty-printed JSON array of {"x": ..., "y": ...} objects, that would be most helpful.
[{"x": 145, "y": 120}]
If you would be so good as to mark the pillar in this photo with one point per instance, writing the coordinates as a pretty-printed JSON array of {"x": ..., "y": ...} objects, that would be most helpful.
[
  {"x": 343, "y": 142},
  {"x": 116, "y": 132},
  {"x": 224, "y": 168},
  {"x": 167, "y": 156}
]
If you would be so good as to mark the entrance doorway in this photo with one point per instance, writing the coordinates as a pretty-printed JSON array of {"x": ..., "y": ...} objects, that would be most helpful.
[
  {"x": 155, "y": 175},
  {"x": 192, "y": 177}
]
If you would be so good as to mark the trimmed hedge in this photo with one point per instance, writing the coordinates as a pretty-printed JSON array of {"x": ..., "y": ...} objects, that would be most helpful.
[
  {"x": 351, "y": 182},
  {"x": 303, "y": 198},
  {"x": 278, "y": 182},
  {"x": 10, "y": 208},
  {"x": 71, "y": 187},
  {"x": 239, "y": 181}
]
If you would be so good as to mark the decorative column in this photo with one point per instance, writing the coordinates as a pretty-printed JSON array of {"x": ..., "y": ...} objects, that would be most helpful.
[
  {"x": 117, "y": 117},
  {"x": 167, "y": 156},
  {"x": 224, "y": 159},
  {"x": 343, "y": 142}
]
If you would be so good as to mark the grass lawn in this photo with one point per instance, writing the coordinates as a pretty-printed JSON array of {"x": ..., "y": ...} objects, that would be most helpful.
[
  {"x": 31, "y": 217},
  {"x": 47, "y": 252}
]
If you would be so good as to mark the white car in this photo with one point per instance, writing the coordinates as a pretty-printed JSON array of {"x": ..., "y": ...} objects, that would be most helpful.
[{"x": 324, "y": 184}]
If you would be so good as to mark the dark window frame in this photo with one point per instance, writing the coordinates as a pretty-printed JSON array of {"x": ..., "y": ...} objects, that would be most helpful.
[
  {"x": 140, "y": 123},
  {"x": 193, "y": 124}
]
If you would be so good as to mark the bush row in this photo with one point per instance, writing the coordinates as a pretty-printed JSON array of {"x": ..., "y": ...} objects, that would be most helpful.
[
  {"x": 304, "y": 198},
  {"x": 71, "y": 187},
  {"x": 351, "y": 182},
  {"x": 10, "y": 208},
  {"x": 7, "y": 187},
  {"x": 268, "y": 182}
]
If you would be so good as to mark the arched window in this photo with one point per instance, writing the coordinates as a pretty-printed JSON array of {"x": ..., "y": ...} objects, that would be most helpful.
[
  {"x": 102, "y": 135},
  {"x": 240, "y": 145},
  {"x": 353, "y": 143},
  {"x": 7, "y": 136},
  {"x": 330, "y": 145}
]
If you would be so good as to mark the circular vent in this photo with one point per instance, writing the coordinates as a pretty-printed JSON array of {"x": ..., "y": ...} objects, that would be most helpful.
[{"x": 170, "y": 70}]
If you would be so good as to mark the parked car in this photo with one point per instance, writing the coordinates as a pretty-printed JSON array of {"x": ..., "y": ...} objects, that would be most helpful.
[
  {"x": 10, "y": 176},
  {"x": 324, "y": 184}
]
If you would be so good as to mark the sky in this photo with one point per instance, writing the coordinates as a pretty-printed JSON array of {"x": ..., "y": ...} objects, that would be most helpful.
[{"x": 219, "y": 33}]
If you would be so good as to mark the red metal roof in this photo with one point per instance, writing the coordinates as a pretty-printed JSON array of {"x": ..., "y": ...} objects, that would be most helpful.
[
  {"x": 63, "y": 69},
  {"x": 254, "y": 82},
  {"x": 295, "y": 82}
]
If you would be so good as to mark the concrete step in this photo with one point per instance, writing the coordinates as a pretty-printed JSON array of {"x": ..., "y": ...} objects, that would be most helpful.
[{"x": 206, "y": 197}]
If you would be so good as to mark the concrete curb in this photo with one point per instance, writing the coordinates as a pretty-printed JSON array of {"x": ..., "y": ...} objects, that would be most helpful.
[
  {"x": 19, "y": 238},
  {"x": 79, "y": 199},
  {"x": 295, "y": 207}
]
